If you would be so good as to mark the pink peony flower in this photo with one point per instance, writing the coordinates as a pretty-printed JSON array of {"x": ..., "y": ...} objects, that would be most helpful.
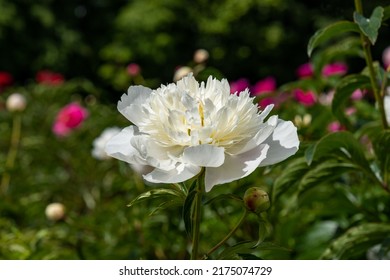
[
  {"x": 266, "y": 85},
  {"x": 305, "y": 71},
  {"x": 306, "y": 98},
  {"x": 133, "y": 69},
  {"x": 239, "y": 85},
  {"x": 335, "y": 126},
  {"x": 337, "y": 68},
  {"x": 386, "y": 57},
  {"x": 68, "y": 118},
  {"x": 49, "y": 78}
]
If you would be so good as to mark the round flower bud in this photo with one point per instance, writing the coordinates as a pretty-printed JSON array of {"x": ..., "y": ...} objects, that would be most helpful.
[
  {"x": 256, "y": 200},
  {"x": 55, "y": 211},
  {"x": 201, "y": 55},
  {"x": 16, "y": 102}
]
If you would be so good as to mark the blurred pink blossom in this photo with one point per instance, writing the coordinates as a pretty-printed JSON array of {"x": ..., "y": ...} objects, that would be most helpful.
[
  {"x": 68, "y": 118},
  {"x": 335, "y": 126},
  {"x": 358, "y": 94},
  {"x": 350, "y": 111},
  {"x": 133, "y": 69},
  {"x": 5, "y": 79},
  {"x": 267, "y": 101},
  {"x": 386, "y": 57},
  {"x": 239, "y": 85},
  {"x": 265, "y": 85},
  {"x": 337, "y": 68},
  {"x": 305, "y": 71},
  {"x": 306, "y": 98},
  {"x": 326, "y": 98},
  {"x": 49, "y": 78}
]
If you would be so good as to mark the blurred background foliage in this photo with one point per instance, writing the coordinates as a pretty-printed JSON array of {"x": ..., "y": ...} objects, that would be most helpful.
[
  {"x": 91, "y": 43},
  {"x": 97, "y": 39}
]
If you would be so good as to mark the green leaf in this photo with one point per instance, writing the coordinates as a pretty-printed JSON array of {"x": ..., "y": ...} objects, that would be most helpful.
[
  {"x": 246, "y": 248},
  {"x": 344, "y": 90},
  {"x": 330, "y": 32},
  {"x": 224, "y": 197},
  {"x": 381, "y": 144},
  {"x": 324, "y": 172},
  {"x": 157, "y": 193},
  {"x": 356, "y": 241},
  {"x": 187, "y": 211},
  {"x": 370, "y": 26},
  {"x": 289, "y": 177},
  {"x": 386, "y": 13},
  {"x": 341, "y": 145}
]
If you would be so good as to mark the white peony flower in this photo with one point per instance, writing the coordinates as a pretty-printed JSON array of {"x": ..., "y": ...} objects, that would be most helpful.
[
  {"x": 98, "y": 150},
  {"x": 386, "y": 104},
  {"x": 182, "y": 127}
]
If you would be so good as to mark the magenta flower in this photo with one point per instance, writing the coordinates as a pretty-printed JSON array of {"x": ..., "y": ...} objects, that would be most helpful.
[
  {"x": 49, "y": 78},
  {"x": 265, "y": 85},
  {"x": 68, "y": 118},
  {"x": 337, "y": 68},
  {"x": 305, "y": 70},
  {"x": 239, "y": 85},
  {"x": 306, "y": 98}
]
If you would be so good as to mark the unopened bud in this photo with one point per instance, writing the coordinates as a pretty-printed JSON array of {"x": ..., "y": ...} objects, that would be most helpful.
[
  {"x": 201, "y": 55},
  {"x": 256, "y": 200},
  {"x": 16, "y": 102},
  {"x": 55, "y": 211}
]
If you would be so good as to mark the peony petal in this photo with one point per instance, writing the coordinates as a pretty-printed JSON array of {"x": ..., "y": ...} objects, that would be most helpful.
[
  {"x": 235, "y": 167},
  {"x": 204, "y": 155},
  {"x": 119, "y": 146},
  {"x": 131, "y": 103},
  {"x": 283, "y": 143},
  {"x": 180, "y": 173},
  {"x": 265, "y": 130}
]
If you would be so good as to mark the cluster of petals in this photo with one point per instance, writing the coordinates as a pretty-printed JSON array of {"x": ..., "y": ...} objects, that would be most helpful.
[
  {"x": 306, "y": 98},
  {"x": 181, "y": 128},
  {"x": 49, "y": 78},
  {"x": 69, "y": 118}
]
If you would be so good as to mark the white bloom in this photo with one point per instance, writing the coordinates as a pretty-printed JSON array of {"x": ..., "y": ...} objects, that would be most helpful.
[
  {"x": 180, "y": 128},
  {"x": 386, "y": 104},
  {"x": 99, "y": 143},
  {"x": 16, "y": 102},
  {"x": 55, "y": 211}
]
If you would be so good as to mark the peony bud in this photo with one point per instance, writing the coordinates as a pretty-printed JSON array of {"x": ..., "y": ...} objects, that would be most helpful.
[
  {"x": 256, "y": 200},
  {"x": 16, "y": 102},
  {"x": 55, "y": 211},
  {"x": 201, "y": 55}
]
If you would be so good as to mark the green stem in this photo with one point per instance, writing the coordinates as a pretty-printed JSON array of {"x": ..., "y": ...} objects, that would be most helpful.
[
  {"x": 368, "y": 57},
  {"x": 226, "y": 238},
  {"x": 197, "y": 215},
  {"x": 13, "y": 150}
]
